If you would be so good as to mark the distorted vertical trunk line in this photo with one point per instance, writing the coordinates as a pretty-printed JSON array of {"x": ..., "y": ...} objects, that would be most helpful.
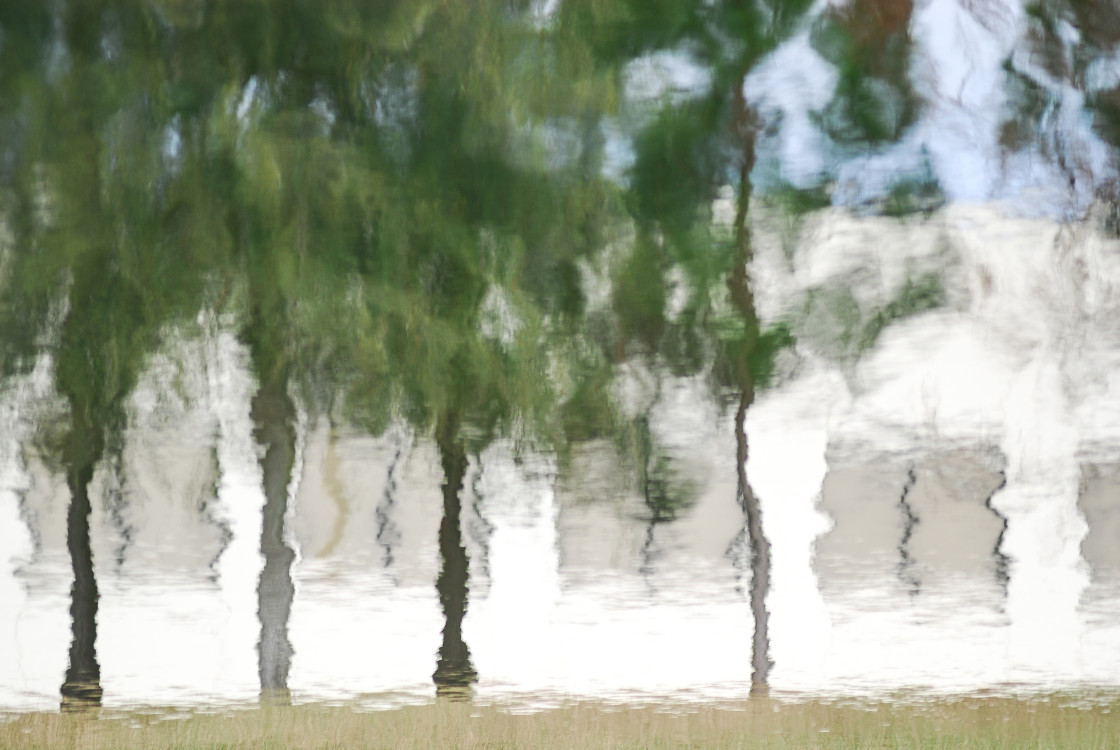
[
  {"x": 116, "y": 506},
  {"x": 1001, "y": 561},
  {"x": 388, "y": 534},
  {"x": 336, "y": 491},
  {"x": 760, "y": 560},
  {"x": 82, "y": 686},
  {"x": 645, "y": 451},
  {"x": 481, "y": 529},
  {"x": 454, "y": 673},
  {"x": 655, "y": 492},
  {"x": 742, "y": 296},
  {"x": 215, "y": 518},
  {"x": 910, "y": 520},
  {"x": 273, "y": 415}
]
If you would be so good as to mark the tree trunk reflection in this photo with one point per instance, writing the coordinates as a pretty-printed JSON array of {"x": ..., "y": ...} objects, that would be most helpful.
[
  {"x": 274, "y": 416},
  {"x": 742, "y": 296},
  {"x": 454, "y": 673},
  {"x": 760, "y": 560},
  {"x": 82, "y": 688}
]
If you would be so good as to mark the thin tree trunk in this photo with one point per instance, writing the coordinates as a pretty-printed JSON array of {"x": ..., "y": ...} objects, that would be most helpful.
[
  {"x": 82, "y": 687},
  {"x": 910, "y": 520},
  {"x": 743, "y": 298},
  {"x": 760, "y": 561},
  {"x": 454, "y": 673},
  {"x": 656, "y": 500},
  {"x": 274, "y": 416}
]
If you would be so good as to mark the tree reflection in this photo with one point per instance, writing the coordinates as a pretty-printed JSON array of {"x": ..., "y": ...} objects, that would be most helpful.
[
  {"x": 401, "y": 205},
  {"x": 95, "y": 371},
  {"x": 685, "y": 155},
  {"x": 274, "y": 415}
]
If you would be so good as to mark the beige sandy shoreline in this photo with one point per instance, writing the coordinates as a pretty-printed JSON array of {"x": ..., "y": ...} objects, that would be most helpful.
[{"x": 1051, "y": 722}]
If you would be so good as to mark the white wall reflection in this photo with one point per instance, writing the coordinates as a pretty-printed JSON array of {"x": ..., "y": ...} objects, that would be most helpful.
[
  {"x": 176, "y": 533},
  {"x": 366, "y": 620},
  {"x": 35, "y": 572}
]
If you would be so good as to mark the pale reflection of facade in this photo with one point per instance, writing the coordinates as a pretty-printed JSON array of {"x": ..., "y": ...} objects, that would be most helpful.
[
  {"x": 862, "y": 549},
  {"x": 652, "y": 609},
  {"x": 365, "y": 619},
  {"x": 954, "y": 543},
  {"x": 923, "y": 526},
  {"x": 1010, "y": 368},
  {"x": 173, "y": 511},
  {"x": 158, "y": 537},
  {"x": 35, "y": 586},
  {"x": 174, "y": 548},
  {"x": 910, "y": 573},
  {"x": 35, "y": 570},
  {"x": 1100, "y": 502}
]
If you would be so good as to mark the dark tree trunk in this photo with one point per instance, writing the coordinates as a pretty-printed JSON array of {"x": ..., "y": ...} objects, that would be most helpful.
[
  {"x": 454, "y": 673},
  {"x": 82, "y": 688},
  {"x": 274, "y": 416},
  {"x": 654, "y": 492},
  {"x": 742, "y": 296},
  {"x": 760, "y": 561},
  {"x": 910, "y": 520}
]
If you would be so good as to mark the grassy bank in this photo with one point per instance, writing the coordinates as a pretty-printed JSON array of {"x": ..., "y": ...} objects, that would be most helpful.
[{"x": 971, "y": 723}]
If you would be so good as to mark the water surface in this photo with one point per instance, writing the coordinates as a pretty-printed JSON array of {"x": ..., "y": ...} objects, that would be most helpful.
[{"x": 557, "y": 350}]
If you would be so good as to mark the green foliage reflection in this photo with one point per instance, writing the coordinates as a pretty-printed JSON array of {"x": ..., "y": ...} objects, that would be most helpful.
[{"x": 402, "y": 202}]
